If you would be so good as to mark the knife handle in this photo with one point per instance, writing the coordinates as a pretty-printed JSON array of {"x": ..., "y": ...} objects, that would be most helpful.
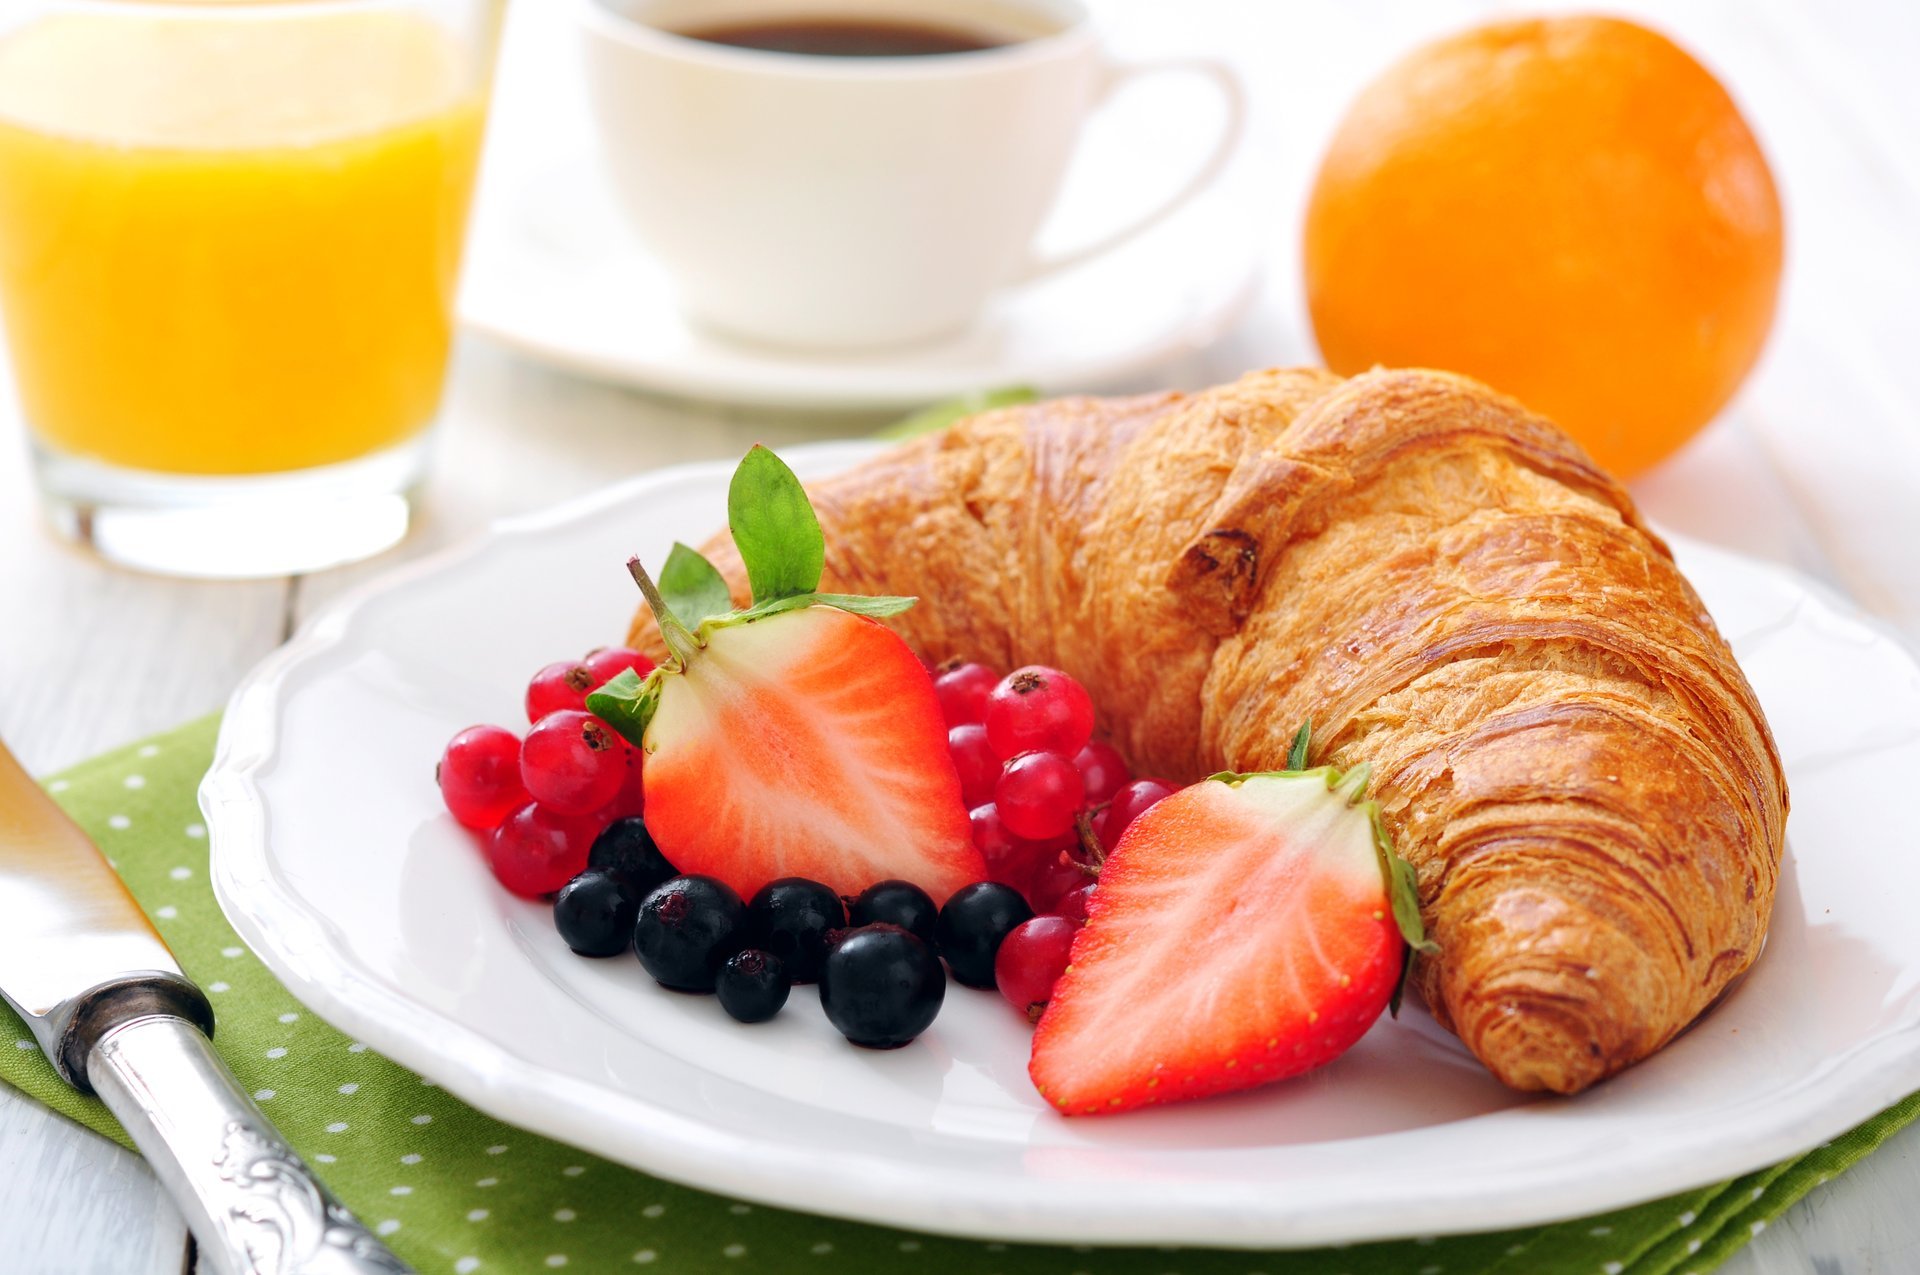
[{"x": 253, "y": 1205}]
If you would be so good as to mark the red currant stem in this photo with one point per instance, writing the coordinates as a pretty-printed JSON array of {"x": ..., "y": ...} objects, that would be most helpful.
[
  {"x": 678, "y": 637},
  {"x": 1089, "y": 842}
]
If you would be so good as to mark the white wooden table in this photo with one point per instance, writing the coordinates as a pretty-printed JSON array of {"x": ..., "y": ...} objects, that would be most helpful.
[{"x": 1817, "y": 467}]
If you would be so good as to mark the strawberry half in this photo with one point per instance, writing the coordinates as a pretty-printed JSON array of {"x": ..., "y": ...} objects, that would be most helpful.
[
  {"x": 807, "y": 744},
  {"x": 797, "y": 737},
  {"x": 1245, "y": 929}
]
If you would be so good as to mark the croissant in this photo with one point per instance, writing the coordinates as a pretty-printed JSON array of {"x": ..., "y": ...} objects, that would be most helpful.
[{"x": 1450, "y": 590}]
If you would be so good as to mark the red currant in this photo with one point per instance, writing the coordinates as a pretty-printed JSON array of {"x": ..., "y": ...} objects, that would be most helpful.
[
  {"x": 963, "y": 690},
  {"x": 1129, "y": 804},
  {"x": 1038, "y": 795},
  {"x": 479, "y": 776},
  {"x": 1102, "y": 771},
  {"x": 1053, "y": 878},
  {"x": 1073, "y": 904},
  {"x": 572, "y": 762},
  {"x": 537, "y": 850},
  {"x": 1031, "y": 960},
  {"x": 1007, "y": 856},
  {"x": 1010, "y": 859},
  {"x": 557, "y": 687},
  {"x": 610, "y": 662},
  {"x": 973, "y": 758},
  {"x": 1038, "y": 709}
]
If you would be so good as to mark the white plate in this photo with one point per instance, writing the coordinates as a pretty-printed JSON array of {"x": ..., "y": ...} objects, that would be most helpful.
[
  {"x": 334, "y": 861},
  {"x": 553, "y": 272}
]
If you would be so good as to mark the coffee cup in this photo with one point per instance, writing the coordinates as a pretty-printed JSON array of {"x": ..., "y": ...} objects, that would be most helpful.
[{"x": 823, "y": 200}]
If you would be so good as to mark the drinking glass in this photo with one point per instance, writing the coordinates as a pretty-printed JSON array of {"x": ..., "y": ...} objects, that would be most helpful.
[{"x": 229, "y": 236}]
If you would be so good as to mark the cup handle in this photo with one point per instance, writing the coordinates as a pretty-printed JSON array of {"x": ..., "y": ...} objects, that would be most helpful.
[{"x": 1231, "y": 89}]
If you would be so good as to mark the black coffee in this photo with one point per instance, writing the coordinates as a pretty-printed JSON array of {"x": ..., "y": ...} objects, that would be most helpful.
[{"x": 846, "y": 37}]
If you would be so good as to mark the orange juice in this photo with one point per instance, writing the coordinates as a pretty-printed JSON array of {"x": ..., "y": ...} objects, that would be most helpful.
[{"x": 230, "y": 247}]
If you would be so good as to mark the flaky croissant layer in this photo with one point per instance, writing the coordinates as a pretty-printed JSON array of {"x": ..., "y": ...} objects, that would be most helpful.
[{"x": 1450, "y": 590}]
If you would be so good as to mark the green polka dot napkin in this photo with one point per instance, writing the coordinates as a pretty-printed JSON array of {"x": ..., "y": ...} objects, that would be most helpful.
[{"x": 455, "y": 1191}]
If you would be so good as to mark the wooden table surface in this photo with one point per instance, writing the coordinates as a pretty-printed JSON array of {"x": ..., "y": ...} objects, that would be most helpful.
[{"x": 1815, "y": 467}]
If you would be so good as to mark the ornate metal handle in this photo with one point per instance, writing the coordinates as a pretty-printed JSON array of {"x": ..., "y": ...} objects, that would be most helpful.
[{"x": 253, "y": 1205}]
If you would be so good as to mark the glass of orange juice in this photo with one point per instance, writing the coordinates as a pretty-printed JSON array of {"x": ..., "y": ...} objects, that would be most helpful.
[{"x": 229, "y": 236}]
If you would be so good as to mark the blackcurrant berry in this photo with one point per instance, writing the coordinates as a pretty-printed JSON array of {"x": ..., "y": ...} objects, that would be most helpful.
[
  {"x": 791, "y": 919},
  {"x": 900, "y": 903},
  {"x": 687, "y": 927},
  {"x": 972, "y": 924},
  {"x": 752, "y": 985},
  {"x": 881, "y": 986},
  {"x": 595, "y": 913},
  {"x": 627, "y": 850}
]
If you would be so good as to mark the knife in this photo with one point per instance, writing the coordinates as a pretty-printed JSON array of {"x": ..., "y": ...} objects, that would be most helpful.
[{"x": 112, "y": 1011}]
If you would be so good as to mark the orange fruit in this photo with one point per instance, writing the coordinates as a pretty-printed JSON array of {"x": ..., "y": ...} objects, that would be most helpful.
[{"x": 1570, "y": 209}]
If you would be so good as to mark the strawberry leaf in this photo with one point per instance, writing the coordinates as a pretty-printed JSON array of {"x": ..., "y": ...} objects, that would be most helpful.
[
  {"x": 784, "y": 551},
  {"x": 1302, "y": 741},
  {"x": 1403, "y": 890},
  {"x": 693, "y": 587},
  {"x": 875, "y": 608},
  {"x": 774, "y": 527},
  {"x": 626, "y": 703},
  {"x": 1403, "y": 896}
]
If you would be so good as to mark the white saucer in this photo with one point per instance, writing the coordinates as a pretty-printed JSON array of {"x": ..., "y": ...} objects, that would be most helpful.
[
  {"x": 379, "y": 913},
  {"x": 552, "y": 271}
]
